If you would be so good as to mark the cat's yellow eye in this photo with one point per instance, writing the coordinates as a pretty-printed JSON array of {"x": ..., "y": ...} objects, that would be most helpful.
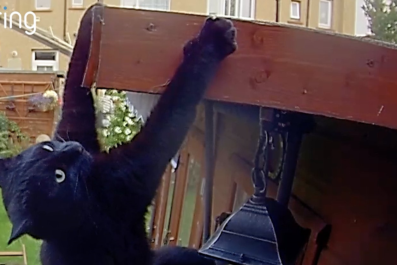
[
  {"x": 48, "y": 148},
  {"x": 60, "y": 175}
]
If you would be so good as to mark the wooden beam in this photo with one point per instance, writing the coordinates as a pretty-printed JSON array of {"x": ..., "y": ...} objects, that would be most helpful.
[
  {"x": 11, "y": 254},
  {"x": 283, "y": 67}
]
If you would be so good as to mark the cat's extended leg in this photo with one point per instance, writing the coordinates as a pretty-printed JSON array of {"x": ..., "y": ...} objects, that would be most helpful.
[
  {"x": 78, "y": 121},
  {"x": 151, "y": 150}
]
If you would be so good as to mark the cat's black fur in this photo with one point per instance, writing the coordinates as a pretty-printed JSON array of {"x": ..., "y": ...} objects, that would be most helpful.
[{"x": 96, "y": 214}]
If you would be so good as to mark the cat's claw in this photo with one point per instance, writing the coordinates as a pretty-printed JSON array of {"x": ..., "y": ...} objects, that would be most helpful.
[{"x": 217, "y": 33}]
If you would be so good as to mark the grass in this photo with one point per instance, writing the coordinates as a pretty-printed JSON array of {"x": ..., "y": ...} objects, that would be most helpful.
[
  {"x": 32, "y": 246},
  {"x": 189, "y": 202}
]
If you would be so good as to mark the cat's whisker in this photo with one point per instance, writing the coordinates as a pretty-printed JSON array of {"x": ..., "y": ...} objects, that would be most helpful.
[
  {"x": 86, "y": 188},
  {"x": 75, "y": 188},
  {"x": 60, "y": 137},
  {"x": 89, "y": 198},
  {"x": 67, "y": 134},
  {"x": 31, "y": 160}
]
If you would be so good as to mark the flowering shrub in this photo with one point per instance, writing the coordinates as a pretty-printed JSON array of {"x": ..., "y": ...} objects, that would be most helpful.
[
  {"x": 120, "y": 126},
  {"x": 12, "y": 140}
]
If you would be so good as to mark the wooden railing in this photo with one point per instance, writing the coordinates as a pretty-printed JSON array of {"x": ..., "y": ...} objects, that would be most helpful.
[{"x": 7, "y": 254}]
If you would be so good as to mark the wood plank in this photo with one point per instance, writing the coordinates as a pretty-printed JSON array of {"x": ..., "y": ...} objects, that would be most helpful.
[
  {"x": 94, "y": 54},
  {"x": 11, "y": 254},
  {"x": 161, "y": 207},
  {"x": 22, "y": 85},
  {"x": 179, "y": 194},
  {"x": 276, "y": 66},
  {"x": 26, "y": 83},
  {"x": 196, "y": 150}
]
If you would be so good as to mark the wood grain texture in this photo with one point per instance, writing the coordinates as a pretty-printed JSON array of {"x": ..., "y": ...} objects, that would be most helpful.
[
  {"x": 341, "y": 180},
  {"x": 96, "y": 15},
  {"x": 275, "y": 66},
  {"x": 32, "y": 123}
]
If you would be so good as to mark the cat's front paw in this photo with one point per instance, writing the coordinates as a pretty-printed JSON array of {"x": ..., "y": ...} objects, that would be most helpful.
[{"x": 218, "y": 35}]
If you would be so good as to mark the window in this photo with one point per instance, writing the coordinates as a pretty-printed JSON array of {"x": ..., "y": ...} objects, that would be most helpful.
[
  {"x": 213, "y": 7},
  {"x": 128, "y": 3},
  {"x": 154, "y": 4},
  {"x": 229, "y": 8},
  {"x": 43, "y": 4},
  {"x": 295, "y": 12},
  {"x": 232, "y": 8},
  {"x": 325, "y": 14},
  {"x": 247, "y": 8},
  {"x": 77, "y": 3},
  {"x": 45, "y": 60},
  {"x": 147, "y": 4}
]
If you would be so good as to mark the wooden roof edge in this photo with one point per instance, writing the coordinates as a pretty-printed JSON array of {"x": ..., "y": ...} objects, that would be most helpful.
[
  {"x": 366, "y": 38},
  {"x": 244, "y": 109},
  {"x": 277, "y": 66},
  {"x": 95, "y": 14}
]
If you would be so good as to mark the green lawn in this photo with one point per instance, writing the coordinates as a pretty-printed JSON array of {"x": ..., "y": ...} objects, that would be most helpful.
[
  {"x": 32, "y": 246},
  {"x": 187, "y": 215},
  {"x": 189, "y": 203}
]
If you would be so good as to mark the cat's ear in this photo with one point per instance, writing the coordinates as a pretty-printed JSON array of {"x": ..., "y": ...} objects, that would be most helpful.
[{"x": 19, "y": 229}]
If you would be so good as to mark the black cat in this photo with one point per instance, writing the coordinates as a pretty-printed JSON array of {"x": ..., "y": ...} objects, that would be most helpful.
[{"x": 88, "y": 206}]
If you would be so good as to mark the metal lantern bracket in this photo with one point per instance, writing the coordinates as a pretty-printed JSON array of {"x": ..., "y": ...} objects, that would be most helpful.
[
  {"x": 263, "y": 231},
  {"x": 291, "y": 126}
]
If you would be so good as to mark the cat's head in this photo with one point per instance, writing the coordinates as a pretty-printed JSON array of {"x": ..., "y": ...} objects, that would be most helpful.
[{"x": 44, "y": 189}]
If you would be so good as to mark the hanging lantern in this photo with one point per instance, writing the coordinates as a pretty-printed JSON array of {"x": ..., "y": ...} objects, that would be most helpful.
[
  {"x": 258, "y": 233},
  {"x": 262, "y": 231}
]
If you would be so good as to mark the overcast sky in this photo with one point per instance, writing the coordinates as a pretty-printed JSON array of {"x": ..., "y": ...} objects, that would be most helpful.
[{"x": 361, "y": 20}]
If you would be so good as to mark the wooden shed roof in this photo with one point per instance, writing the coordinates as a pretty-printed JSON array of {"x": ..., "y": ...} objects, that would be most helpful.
[{"x": 278, "y": 66}]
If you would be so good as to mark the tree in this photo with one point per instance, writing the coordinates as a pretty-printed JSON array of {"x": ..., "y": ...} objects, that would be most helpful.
[
  {"x": 382, "y": 17},
  {"x": 122, "y": 124}
]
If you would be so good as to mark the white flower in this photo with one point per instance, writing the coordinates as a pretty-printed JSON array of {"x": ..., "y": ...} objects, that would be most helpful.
[
  {"x": 106, "y": 123},
  {"x": 117, "y": 130},
  {"x": 129, "y": 121},
  {"x": 51, "y": 94},
  {"x": 127, "y": 131},
  {"x": 129, "y": 137},
  {"x": 105, "y": 132}
]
